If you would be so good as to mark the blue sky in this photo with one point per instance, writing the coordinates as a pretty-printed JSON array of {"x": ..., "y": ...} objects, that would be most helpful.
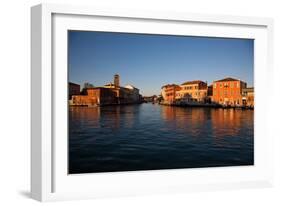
[{"x": 151, "y": 61}]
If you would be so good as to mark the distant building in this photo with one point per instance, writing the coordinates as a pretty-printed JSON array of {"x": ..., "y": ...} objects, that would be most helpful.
[
  {"x": 95, "y": 96},
  {"x": 73, "y": 89},
  {"x": 248, "y": 97},
  {"x": 153, "y": 98},
  {"x": 209, "y": 94},
  {"x": 168, "y": 92},
  {"x": 210, "y": 91},
  {"x": 192, "y": 91},
  {"x": 107, "y": 95},
  {"x": 133, "y": 93},
  {"x": 228, "y": 91}
]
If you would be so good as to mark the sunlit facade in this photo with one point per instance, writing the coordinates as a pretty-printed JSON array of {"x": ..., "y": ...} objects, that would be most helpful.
[
  {"x": 228, "y": 91},
  {"x": 107, "y": 95},
  {"x": 192, "y": 91}
]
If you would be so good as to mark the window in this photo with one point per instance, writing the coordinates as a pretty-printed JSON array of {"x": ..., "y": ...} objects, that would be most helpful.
[
  {"x": 231, "y": 85},
  {"x": 220, "y": 85},
  {"x": 215, "y": 85},
  {"x": 237, "y": 84}
]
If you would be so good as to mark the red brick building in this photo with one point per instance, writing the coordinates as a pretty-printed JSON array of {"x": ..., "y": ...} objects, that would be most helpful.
[{"x": 228, "y": 91}]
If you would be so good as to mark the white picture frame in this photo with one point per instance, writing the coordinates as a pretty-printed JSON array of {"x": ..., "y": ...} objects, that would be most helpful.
[{"x": 49, "y": 179}]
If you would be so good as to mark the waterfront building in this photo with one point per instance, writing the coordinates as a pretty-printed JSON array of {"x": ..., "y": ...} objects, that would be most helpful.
[
  {"x": 168, "y": 93},
  {"x": 248, "y": 97},
  {"x": 106, "y": 95},
  {"x": 192, "y": 91},
  {"x": 128, "y": 95},
  {"x": 209, "y": 94},
  {"x": 210, "y": 91},
  {"x": 228, "y": 91},
  {"x": 73, "y": 89},
  {"x": 133, "y": 93},
  {"x": 94, "y": 96}
]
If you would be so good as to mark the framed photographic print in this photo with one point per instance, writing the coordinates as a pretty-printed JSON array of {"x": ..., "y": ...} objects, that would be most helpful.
[{"x": 138, "y": 102}]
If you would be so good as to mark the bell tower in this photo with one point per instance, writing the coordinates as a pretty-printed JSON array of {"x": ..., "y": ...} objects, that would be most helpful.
[{"x": 116, "y": 80}]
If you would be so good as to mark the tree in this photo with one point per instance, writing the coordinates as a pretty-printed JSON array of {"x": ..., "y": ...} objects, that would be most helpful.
[{"x": 88, "y": 85}]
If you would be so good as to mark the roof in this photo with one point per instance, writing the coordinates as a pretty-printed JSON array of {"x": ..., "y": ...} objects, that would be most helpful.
[
  {"x": 93, "y": 88},
  {"x": 169, "y": 85},
  {"x": 109, "y": 84},
  {"x": 228, "y": 79},
  {"x": 193, "y": 82},
  {"x": 73, "y": 84},
  {"x": 129, "y": 86}
]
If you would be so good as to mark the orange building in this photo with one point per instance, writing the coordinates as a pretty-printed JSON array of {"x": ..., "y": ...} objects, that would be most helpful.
[
  {"x": 228, "y": 91},
  {"x": 169, "y": 93}
]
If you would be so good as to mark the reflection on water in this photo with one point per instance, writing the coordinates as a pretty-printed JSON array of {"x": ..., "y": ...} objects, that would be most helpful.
[{"x": 147, "y": 136}]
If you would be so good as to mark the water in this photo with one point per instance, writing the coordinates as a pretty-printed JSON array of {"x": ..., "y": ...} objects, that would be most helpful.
[{"x": 151, "y": 136}]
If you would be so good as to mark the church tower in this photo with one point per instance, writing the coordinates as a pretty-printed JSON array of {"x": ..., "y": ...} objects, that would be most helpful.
[{"x": 116, "y": 80}]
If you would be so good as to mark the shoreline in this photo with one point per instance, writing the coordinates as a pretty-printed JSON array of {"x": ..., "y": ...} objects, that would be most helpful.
[
  {"x": 206, "y": 105},
  {"x": 183, "y": 105}
]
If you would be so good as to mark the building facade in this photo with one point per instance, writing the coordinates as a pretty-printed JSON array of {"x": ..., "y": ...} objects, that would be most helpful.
[
  {"x": 228, "y": 91},
  {"x": 248, "y": 97},
  {"x": 94, "y": 96},
  {"x": 193, "y": 91},
  {"x": 133, "y": 93},
  {"x": 168, "y": 92},
  {"x": 73, "y": 89},
  {"x": 107, "y": 95}
]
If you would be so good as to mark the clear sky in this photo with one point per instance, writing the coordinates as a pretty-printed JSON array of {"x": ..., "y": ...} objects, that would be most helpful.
[{"x": 151, "y": 61}]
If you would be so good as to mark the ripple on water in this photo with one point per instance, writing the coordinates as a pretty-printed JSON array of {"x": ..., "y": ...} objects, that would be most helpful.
[{"x": 146, "y": 136}]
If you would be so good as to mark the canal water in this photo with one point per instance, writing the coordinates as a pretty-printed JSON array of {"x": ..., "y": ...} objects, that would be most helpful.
[{"x": 151, "y": 136}]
